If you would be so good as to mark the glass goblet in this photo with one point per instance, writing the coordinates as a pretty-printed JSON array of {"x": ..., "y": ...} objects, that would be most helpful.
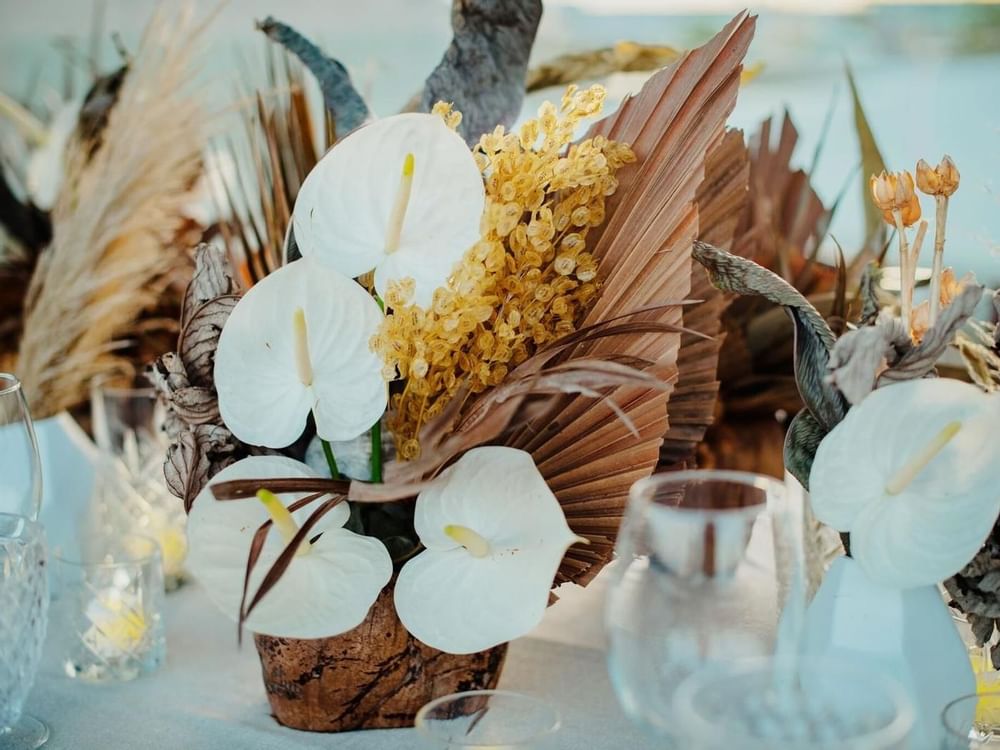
[
  {"x": 708, "y": 561},
  {"x": 493, "y": 719},
  {"x": 20, "y": 465},
  {"x": 972, "y": 722},
  {"x": 24, "y": 602},
  {"x": 130, "y": 489}
]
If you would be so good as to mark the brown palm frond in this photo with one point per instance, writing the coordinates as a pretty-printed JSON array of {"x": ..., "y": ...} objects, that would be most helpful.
[
  {"x": 283, "y": 146},
  {"x": 587, "y": 454},
  {"x": 116, "y": 220},
  {"x": 721, "y": 200}
]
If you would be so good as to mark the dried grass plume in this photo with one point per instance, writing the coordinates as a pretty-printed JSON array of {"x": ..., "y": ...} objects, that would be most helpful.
[{"x": 116, "y": 219}]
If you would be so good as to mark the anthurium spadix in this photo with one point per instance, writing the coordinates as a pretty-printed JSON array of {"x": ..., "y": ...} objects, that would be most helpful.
[
  {"x": 298, "y": 342},
  {"x": 912, "y": 472},
  {"x": 331, "y": 582},
  {"x": 402, "y": 196},
  {"x": 494, "y": 535}
]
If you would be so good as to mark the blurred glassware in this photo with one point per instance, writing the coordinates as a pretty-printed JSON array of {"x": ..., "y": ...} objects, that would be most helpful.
[
  {"x": 972, "y": 722},
  {"x": 20, "y": 465},
  {"x": 24, "y": 603},
  {"x": 107, "y": 608},
  {"x": 130, "y": 491},
  {"x": 493, "y": 719},
  {"x": 809, "y": 703},
  {"x": 708, "y": 561}
]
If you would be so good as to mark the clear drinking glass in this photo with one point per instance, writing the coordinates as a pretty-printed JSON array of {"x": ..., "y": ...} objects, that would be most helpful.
[
  {"x": 24, "y": 602},
  {"x": 708, "y": 563},
  {"x": 131, "y": 493},
  {"x": 494, "y": 719},
  {"x": 107, "y": 609},
  {"x": 808, "y": 703},
  {"x": 20, "y": 466},
  {"x": 972, "y": 722}
]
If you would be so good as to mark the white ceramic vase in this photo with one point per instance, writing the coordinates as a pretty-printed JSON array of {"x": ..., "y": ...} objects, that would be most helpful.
[{"x": 909, "y": 632}]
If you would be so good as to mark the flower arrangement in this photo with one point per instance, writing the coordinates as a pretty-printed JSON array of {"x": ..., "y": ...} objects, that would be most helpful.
[
  {"x": 896, "y": 459},
  {"x": 431, "y": 413}
]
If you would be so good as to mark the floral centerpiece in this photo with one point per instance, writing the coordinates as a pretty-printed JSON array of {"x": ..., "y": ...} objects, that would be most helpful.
[{"x": 394, "y": 445}]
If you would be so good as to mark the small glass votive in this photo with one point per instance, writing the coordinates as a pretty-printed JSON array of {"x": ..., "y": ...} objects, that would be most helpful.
[
  {"x": 107, "y": 608},
  {"x": 972, "y": 722},
  {"x": 130, "y": 492},
  {"x": 495, "y": 719},
  {"x": 805, "y": 703}
]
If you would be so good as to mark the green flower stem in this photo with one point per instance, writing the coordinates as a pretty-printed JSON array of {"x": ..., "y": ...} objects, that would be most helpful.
[
  {"x": 376, "y": 462},
  {"x": 377, "y": 452},
  {"x": 330, "y": 460}
]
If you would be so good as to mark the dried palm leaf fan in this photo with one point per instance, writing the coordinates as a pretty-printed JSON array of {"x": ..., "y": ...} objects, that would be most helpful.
[
  {"x": 587, "y": 453},
  {"x": 721, "y": 201},
  {"x": 116, "y": 221}
]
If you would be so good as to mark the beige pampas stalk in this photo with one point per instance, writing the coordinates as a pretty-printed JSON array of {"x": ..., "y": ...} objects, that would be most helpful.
[{"x": 115, "y": 220}]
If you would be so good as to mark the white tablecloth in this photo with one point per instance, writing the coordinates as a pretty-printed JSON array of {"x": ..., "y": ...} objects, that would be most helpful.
[{"x": 209, "y": 693}]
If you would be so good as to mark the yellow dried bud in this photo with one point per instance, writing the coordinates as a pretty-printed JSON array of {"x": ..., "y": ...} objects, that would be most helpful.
[
  {"x": 895, "y": 192},
  {"x": 564, "y": 264},
  {"x": 883, "y": 190},
  {"x": 940, "y": 180}
]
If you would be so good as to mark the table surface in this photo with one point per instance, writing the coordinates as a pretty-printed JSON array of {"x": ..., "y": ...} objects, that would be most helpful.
[{"x": 209, "y": 692}]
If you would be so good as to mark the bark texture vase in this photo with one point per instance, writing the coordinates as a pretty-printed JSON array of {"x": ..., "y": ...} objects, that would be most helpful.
[{"x": 376, "y": 676}]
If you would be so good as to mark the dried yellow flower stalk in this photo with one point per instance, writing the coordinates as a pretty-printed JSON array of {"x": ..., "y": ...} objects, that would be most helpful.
[{"x": 529, "y": 279}]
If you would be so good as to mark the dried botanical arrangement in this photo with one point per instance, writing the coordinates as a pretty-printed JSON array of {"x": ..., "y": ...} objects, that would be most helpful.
[
  {"x": 907, "y": 513},
  {"x": 132, "y": 156},
  {"x": 512, "y": 315}
]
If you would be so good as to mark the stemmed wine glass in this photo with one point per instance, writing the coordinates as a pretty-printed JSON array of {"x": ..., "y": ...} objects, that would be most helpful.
[
  {"x": 20, "y": 466},
  {"x": 24, "y": 595}
]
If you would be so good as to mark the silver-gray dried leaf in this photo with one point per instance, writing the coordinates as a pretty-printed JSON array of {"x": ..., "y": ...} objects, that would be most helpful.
[
  {"x": 813, "y": 337},
  {"x": 200, "y": 337},
  {"x": 919, "y": 361},
  {"x": 346, "y": 105},
  {"x": 862, "y": 354},
  {"x": 186, "y": 468},
  {"x": 196, "y": 405},
  {"x": 213, "y": 277}
]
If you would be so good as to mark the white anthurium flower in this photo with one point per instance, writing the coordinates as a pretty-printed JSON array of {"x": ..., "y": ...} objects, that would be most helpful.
[
  {"x": 330, "y": 584},
  {"x": 298, "y": 342},
  {"x": 912, "y": 472},
  {"x": 494, "y": 535},
  {"x": 402, "y": 196}
]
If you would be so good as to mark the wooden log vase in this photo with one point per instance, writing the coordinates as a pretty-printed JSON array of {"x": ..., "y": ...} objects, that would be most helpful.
[{"x": 376, "y": 676}]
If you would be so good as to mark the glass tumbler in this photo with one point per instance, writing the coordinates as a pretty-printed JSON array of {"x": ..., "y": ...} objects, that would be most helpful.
[
  {"x": 130, "y": 490},
  {"x": 806, "y": 703},
  {"x": 709, "y": 570},
  {"x": 493, "y": 719},
  {"x": 24, "y": 602},
  {"x": 107, "y": 609},
  {"x": 972, "y": 722}
]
